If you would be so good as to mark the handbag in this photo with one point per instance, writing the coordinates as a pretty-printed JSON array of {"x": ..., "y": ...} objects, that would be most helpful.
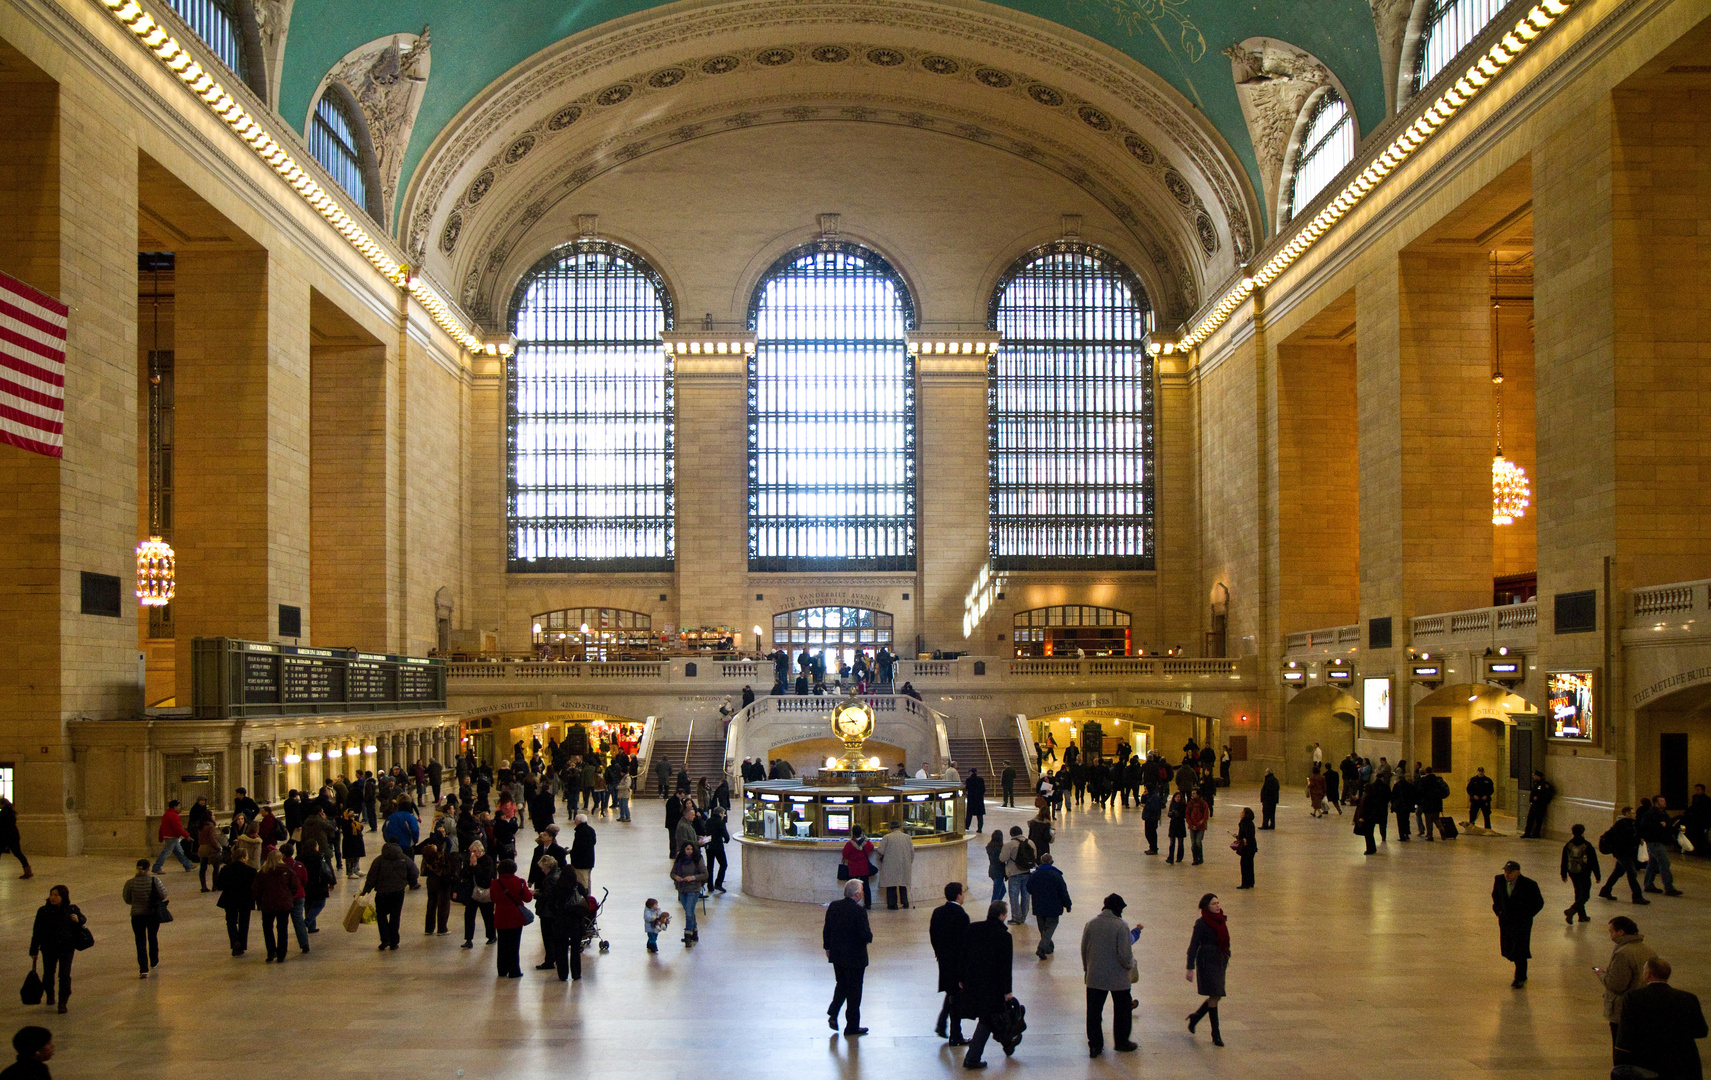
[
  {"x": 481, "y": 896},
  {"x": 32, "y": 990},
  {"x": 84, "y": 939},
  {"x": 843, "y": 872},
  {"x": 157, "y": 905}
]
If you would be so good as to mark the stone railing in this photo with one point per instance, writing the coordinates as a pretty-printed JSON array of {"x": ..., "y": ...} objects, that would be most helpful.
[
  {"x": 1509, "y": 624},
  {"x": 1331, "y": 637},
  {"x": 1655, "y": 602}
]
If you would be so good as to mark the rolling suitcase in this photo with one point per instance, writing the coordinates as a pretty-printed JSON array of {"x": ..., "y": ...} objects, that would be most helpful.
[{"x": 1447, "y": 827}]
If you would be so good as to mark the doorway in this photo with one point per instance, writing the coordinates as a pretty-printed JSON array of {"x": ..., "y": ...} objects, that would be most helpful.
[{"x": 1672, "y": 768}]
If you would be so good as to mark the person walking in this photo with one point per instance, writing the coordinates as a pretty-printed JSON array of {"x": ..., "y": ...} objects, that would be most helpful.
[
  {"x": 1247, "y": 846},
  {"x": 948, "y": 933},
  {"x": 55, "y": 937},
  {"x": 1430, "y": 791},
  {"x": 621, "y": 795},
  {"x": 1515, "y": 900},
  {"x": 718, "y": 835},
  {"x": 1580, "y": 865},
  {"x": 1196, "y": 816},
  {"x": 1316, "y": 792},
  {"x": 440, "y": 868},
  {"x": 1621, "y": 841},
  {"x": 388, "y": 878},
  {"x": 1208, "y": 960},
  {"x": 974, "y": 791},
  {"x": 995, "y": 863},
  {"x": 1659, "y": 1031},
  {"x": 1539, "y": 798},
  {"x": 236, "y": 883},
  {"x": 1657, "y": 831},
  {"x": 1152, "y": 808},
  {"x": 1403, "y": 800},
  {"x": 1624, "y": 971},
  {"x": 1269, "y": 789},
  {"x": 145, "y": 892},
  {"x": 1049, "y": 895},
  {"x": 10, "y": 840},
  {"x": 1019, "y": 862},
  {"x": 354, "y": 849},
  {"x": 172, "y": 837},
  {"x": 275, "y": 890},
  {"x": 1367, "y": 815},
  {"x": 1178, "y": 830},
  {"x": 510, "y": 894},
  {"x": 475, "y": 890},
  {"x": 857, "y": 857},
  {"x": 986, "y": 968},
  {"x": 845, "y": 937},
  {"x": 1108, "y": 968},
  {"x": 688, "y": 872},
  {"x": 1009, "y": 779},
  {"x": 1480, "y": 789},
  {"x": 896, "y": 866}
]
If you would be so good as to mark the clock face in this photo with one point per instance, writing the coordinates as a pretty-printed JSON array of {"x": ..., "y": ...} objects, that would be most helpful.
[{"x": 852, "y": 722}]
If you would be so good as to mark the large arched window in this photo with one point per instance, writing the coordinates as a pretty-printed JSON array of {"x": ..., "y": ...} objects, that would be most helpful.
[
  {"x": 831, "y": 414},
  {"x": 230, "y": 31},
  {"x": 1451, "y": 25},
  {"x": 1071, "y": 414},
  {"x": 339, "y": 139},
  {"x": 1327, "y": 145},
  {"x": 589, "y": 416}
]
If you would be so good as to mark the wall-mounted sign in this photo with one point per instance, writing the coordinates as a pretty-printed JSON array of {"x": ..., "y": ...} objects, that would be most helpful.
[
  {"x": 1344, "y": 675},
  {"x": 1426, "y": 672},
  {"x": 1375, "y": 704},
  {"x": 1573, "y": 709}
]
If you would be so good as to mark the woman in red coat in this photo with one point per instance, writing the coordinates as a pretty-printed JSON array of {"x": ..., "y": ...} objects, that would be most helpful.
[
  {"x": 858, "y": 859},
  {"x": 510, "y": 893}
]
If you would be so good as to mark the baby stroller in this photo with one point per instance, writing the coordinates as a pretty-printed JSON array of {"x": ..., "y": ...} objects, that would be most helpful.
[{"x": 591, "y": 928}]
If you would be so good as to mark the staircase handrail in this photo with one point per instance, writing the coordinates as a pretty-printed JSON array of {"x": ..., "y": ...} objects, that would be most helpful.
[
  {"x": 645, "y": 748},
  {"x": 985, "y": 746},
  {"x": 1029, "y": 757}
]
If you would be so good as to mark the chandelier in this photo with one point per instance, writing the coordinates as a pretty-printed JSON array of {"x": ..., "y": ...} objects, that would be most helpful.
[
  {"x": 1510, "y": 492},
  {"x": 156, "y": 564}
]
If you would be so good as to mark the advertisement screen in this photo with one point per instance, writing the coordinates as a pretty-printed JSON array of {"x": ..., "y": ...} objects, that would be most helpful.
[
  {"x": 1375, "y": 705},
  {"x": 1571, "y": 705}
]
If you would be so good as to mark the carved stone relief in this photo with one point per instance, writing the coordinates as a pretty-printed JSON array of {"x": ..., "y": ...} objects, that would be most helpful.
[
  {"x": 506, "y": 106},
  {"x": 1273, "y": 79},
  {"x": 273, "y": 20},
  {"x": 1390, "y": 18},
  {"x": 388, "y": 77}
]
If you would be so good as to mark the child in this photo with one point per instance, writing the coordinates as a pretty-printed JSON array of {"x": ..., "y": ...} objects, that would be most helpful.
[{"x": 653, "y": 921}]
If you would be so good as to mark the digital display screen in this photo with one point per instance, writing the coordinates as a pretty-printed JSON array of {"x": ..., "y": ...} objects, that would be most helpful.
[
  {"x": 1375, "y": 705},
  {"x": 1425, "y": 670},
  {"x": 1572, "y": 708},
  {"x": 1504, "y": 669},
  {"x": 837, "y": 823},
  {"x": 1340, "y": 675}
]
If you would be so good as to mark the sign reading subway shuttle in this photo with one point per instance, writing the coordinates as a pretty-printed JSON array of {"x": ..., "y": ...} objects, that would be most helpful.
[{"x": 233, "y": 678}]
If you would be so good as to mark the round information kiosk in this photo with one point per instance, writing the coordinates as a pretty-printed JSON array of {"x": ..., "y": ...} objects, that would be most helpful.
[{"x": 794, "y": 831}]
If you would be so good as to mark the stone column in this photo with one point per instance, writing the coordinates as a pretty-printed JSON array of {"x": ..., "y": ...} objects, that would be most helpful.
[
  {"x": 953, "y": 537},
  {"x": 711, "y": 396}
]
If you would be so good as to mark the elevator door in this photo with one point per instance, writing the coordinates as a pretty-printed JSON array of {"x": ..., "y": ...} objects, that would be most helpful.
[{"x": 1672, "y": 769}]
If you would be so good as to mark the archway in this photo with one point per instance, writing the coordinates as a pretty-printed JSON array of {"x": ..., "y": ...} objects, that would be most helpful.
[
  {"x": 494, "y": 736},
  {"x": 832, "y": 634},
  {"x": 1672, "y": 746},
  {"x": 1464, "y": 727},
  {"x": 1318, "y": 714},
  {"x": 1142, "y": 729}
]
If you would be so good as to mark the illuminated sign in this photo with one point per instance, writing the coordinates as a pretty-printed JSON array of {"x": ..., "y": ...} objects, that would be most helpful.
[
  {"x": 1375, "y": 704},
  {"x": 1573, "y": 712},
  {"x": 1340, "y": 674},
  {"x": 1426, "y": 671},
  {"x": 1504, "y": 669}
]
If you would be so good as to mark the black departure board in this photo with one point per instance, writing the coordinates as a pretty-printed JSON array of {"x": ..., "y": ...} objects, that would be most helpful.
[{"x": 250, "y": 678}]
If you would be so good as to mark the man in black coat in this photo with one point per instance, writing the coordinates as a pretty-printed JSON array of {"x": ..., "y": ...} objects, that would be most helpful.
[
  {"x": 1538, "y": 802},
  {"x": 987, "y": 958},
  {"x": 948, "y": 932},
  {"x": 845, "y": 938},
  {"x": 1268, "y": 794},
  {"x": 582, "y": 841},
  {"x": 1515, "y": 900},
  {"x": 974, "y": 794},
  {"x": 1480, "y": 789},
  {"x": 1659, "y": 1027}
]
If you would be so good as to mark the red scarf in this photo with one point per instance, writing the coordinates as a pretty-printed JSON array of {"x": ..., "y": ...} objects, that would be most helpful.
[{"x": 1219, "y": 922}]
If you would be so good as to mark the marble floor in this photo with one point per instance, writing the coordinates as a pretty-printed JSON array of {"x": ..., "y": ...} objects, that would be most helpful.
[{"x": 1344, "y": 966}]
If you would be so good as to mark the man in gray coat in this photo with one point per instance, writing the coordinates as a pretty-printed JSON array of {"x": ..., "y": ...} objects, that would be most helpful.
[
  {"x": 1626, "y": 968},
  {"x": 1107, "y": 957}
]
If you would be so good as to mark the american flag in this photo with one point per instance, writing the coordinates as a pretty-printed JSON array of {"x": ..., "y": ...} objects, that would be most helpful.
[{"x": 32, "y": 368}]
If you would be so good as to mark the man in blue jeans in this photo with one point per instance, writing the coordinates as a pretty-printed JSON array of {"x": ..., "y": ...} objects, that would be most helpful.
[
  {"x": 141, "y": 891},
  {"x": 172, "y": 836},
  {"x": 1657, "y": 831}
]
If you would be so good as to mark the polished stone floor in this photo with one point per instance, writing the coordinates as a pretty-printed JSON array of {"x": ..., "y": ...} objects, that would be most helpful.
[{"x": 1344, "y": 966}]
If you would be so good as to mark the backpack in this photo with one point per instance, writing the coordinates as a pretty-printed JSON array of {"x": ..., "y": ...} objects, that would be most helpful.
[
  {"x": 1025, "y": 856},
  {"x": 1607, "y": 842},
  {"x": 1577, "y": 861}
]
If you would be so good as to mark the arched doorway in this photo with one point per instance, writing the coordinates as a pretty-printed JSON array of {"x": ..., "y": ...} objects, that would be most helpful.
[
  {"x": 1141, "y": 729},
  {"x": 494, "y": 736},
  {"x": 1318, "y": 714},
  {"x": 1066, "y": 629},
  {"x": 1672, "y": 746},
  {"x": 832, "y": 634},
  {"x": 1462, "y": 728}
]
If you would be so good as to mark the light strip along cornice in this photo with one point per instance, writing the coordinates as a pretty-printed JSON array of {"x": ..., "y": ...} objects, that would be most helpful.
[
  {"x": 1469, "y": 86},
  {"x": 179, "y": 62}
]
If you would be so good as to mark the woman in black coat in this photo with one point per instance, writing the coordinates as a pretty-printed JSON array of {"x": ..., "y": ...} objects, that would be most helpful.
[
  {"x": 985, "y": 979},
  {"x": 58, "y": 928},
  {"x": 236, "y": 882},
  {"x": 1247, "y": 844},
  {"x": 1208, "y": 957},
  {"x": 475, "y": 879}
]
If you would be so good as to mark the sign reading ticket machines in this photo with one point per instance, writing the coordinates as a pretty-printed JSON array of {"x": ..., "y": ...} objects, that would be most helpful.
[{"x": 1375, "y": 704}]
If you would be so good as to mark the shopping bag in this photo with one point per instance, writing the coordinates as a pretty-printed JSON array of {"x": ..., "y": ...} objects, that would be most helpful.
[
  {"x": 32, "y": 990},
  {"x": 368, "y": 913},
  {"x": 353, "y": 914}
]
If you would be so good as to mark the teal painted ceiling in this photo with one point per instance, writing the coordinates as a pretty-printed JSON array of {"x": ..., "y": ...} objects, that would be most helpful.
[{"x": 477, "y": 41}]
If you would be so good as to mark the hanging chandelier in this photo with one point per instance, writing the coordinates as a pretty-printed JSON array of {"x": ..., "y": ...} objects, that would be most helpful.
[
  {"x": 156, "y": 563},
  {"x": 1510, "y": 492}
]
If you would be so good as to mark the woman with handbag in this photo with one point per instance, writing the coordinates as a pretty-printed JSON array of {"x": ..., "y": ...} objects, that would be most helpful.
[
  {"x": 474, "y": 892},
  {"x": 857, "y": 863},
  {"x": 58, "y": 934},
  {"x": 1208, "y": 958},
  {"x": 353, "y": 848},
  {"x": 688, "y": 873},
  {"x": 1245, "y": 846},
  {"x": 511, "y": 894}
]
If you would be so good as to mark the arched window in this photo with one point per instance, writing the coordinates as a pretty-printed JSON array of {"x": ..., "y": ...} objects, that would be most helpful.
[
  {"x": 1070, "y": 413},
  {"x": 230, "y": 31},
  {"x": 831, "y": 414},
  {"x": 1451, "y": 25},
  {"x": 1326, "y": 146},
  {"x": 338, "y": 137},
  {"x": 1060, "y": 631},
  {"x": 589, "y": 415}
]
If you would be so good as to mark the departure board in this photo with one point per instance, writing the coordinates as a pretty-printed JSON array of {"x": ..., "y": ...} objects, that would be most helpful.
[{"x": 251, "y": 678}]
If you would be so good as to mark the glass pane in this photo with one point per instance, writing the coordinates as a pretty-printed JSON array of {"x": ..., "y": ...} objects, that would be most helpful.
[{"x": 1327, "y": 146}]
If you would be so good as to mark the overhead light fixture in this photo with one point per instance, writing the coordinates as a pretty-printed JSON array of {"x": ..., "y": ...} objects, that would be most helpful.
[
  {"x": 370, "y": 748},
  {"x": 292, "y": 759}
]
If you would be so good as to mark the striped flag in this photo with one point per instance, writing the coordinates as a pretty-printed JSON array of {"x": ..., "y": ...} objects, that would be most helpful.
[{"x": 32, "y": 368}]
